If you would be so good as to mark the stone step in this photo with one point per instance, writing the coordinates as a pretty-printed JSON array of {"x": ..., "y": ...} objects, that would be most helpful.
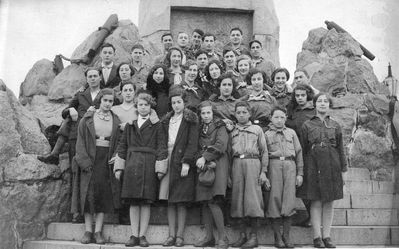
[
  {"x": 358, "y": 174},
  {"x": 368, "y": 187},
  {"x": 375, "y": 201},
  {"x": 156, "y": 234},
  {"x": 59, "y": 244}
]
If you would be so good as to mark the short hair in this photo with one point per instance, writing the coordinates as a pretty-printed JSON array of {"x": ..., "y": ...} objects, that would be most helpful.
[
  {"x": 217, "y": 63},
  {"x": 188, "y": 64},
  {"x": 278, "y": 108},
  {"x": 228, "y": 75},
  {"x": 321, "y": 94},
  {"x": 166, "y": 34},
  {"x": 129, "y": 82},
  {"x": 137, "y": 46},
  {"x": 279, "y": 70},
  {"x": 208, "y": 34},
  {"x": 243, "y": 104},
  {"x": 304, "y": 87},
  {"x": 228, "y": 49},
  {"x": 199, "y": 31},
  {"x": 107, "y": 45},
  {"x": 181, "y": 32},
  {"x": 243, "y": 57},
  {"x": 92, "y": 68},
  {"x": 146, "y": 96},
  {"x": 205, "y": 104},
  {"x": 199, "y": 52},
  {"x": 255, "y": 41},
  {"x": 236, "y": 28},
  {"x": 177, "y": 91},
  {"x": 126, "y": 63},
  {"x": 167, "y": 58},
  {"x": 303, "y": 71},
  {"x": 254, "y": 71},
  {"x": 105, "y": 91}
]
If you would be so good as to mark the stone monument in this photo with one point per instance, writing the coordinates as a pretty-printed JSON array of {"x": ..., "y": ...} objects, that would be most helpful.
[{"x": 256, "y": 18}]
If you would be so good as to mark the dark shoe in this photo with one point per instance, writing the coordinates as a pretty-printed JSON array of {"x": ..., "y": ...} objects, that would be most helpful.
[
  {"x": 241, "y": 241},
  {"x": 77, "y": 218},
  {"x": 143, "y": 242},
  {"x": 170, "y": 241},
  {"x": 179, "y": 242},
  {"x": 206, "y": 242},
  {"x": 252, "y": 242},
  {"x": 133, "y": 241},
  {"x": 98, "y": 237},
  {"x": 328, "y": 243},
  {"x": 317, "y": 243},
  {"x": 287, "y": 243},
  {"x": 278, "y": 242},
  {"x": 87, "y": 238},
  {"x": 306, "y": 223},
  {"x": 49, "y": 159},
  {"x": 223, "y": 243}
]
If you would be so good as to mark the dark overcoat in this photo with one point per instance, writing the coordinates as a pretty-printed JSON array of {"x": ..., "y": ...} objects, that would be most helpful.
[
  {"x": 84, "y": 158},
  {"x": 325, "y": 160},
  {"x": 141, "y": 148},
  {"x": 297, "y": 116},
  {"x": 182, "y": 189}
]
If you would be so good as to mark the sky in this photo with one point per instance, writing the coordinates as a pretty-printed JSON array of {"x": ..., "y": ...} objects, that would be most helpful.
[{"x": 32, "y": 30}]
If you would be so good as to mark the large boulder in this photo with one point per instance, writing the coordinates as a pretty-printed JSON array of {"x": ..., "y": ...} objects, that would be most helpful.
[
  {"x": 31, "y": 192},
  {"x": 48, "y": 112}
]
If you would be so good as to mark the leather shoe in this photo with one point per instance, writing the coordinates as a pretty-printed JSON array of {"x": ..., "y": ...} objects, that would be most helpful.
[
  {"x": 278, "y": 241},
  {"x": 133, "y": 241},
  {"x": 241, "y": 241},
  {"x": 49, "y": 159},
  {"x": 179, "y": 242},
  {"x": 170, "y": 241},
  {"x": 206, "y": 242},
  {"x": 252, "y": 242},
  {"x": 317, "y": 243},
  {"x": 143, "y": 242},
  {"x": 87, "y": 238},
  {"x": 98, "y": 237},
  {"x": 328, "y": 243},
  {"x": 223, "y": 243},
  {"x": 287, "y": 243},
  {"x": 77, "y": 218}
]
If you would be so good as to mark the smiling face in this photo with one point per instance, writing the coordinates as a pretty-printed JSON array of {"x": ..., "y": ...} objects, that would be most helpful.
[
  {"x": 191, "y": 73},
  {"x": 280, "y": 79},
  {"x": 278, "y": 119},
  {"x": 125, "y": 72},
  {"x": 106, "y": 102},
  {"x": 128, "y": 93},
  {"x": 107, "y": 55},
  {"x": 209, "y": 43},
  {"x": 255, "y": 50},
  {"x": 300, "y": 97},
  {"x": 158, "y": 75},
  {"x": 235, "y": 37},
  {"x": 226, "y": 87},
  {"x": 206, "y": 114},
  {"x": 322, "y": 104},
  {"x": 182, "y": 40},
  {"x": 93, "y": 78},
  {"x": 143, "y": 107},
  {"x": 175, "y": 58},
  {"x": 242, "y": 114},
  {"x": 202, "y": 61},
  {"x": 177, "y": 104},
  {"x": 243, "y": 67},
  {"x": 229, "y": 59},
  {"x": 214, "y": 71},
  {"x": 257, "y": 82}
]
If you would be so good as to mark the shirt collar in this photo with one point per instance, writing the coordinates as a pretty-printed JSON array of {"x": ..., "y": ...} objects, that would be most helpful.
[{"x": 107, "y": 66}]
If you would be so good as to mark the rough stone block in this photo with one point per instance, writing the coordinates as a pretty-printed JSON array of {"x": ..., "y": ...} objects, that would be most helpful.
[
  {"x": 383, "y": 187},
  {"x": 395, "y": 235},
  {"x": 343, "y": 203},
  {"x": 372, "y": 217},
  {"x": 358, "y": 174},
  {"x": 374, "y": 201},
  {"x": 359, "y": 235},
  {"x": 356, "y": 186}
]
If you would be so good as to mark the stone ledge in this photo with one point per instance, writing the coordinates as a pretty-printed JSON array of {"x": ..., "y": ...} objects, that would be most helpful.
[{"x": 374, "y": 201}]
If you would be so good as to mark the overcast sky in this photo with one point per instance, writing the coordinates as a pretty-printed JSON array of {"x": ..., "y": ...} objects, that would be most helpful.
[{"x": 32, "y": 30}]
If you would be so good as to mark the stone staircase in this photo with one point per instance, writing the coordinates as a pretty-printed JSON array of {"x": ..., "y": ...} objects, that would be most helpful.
[{"x": 366, "y": 216}]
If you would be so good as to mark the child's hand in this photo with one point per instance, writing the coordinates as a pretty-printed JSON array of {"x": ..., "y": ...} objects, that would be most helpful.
[
  {"x": 160, "y": 175},
  {"x": 264, "y": 181},
  {"x": 118, "y": 174},
  {"x": 184, "y": 169},
  {"x": 299, "y": 181},
  {"x": 201, "y": 162}
]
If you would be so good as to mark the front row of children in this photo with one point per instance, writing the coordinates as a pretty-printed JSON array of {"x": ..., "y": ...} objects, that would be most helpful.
[{"x": 171, "y": 153}]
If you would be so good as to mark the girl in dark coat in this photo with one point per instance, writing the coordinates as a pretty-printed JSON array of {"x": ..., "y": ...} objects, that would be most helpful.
[
  {"x": 213, "y": 143},
  {"x": 325, "y": 164},
  {"x": 178, "y": 185},
  {"x": 98, "y": 135},
  {"x": 213, "y": 71},
  {"x": 141, "y": 147},
  {"x": 158, "y": 85}
]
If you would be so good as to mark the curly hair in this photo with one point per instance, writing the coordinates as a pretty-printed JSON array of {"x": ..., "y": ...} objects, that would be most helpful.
[
  {"x": 303, "y": 87},
  {"x": 152, "y": 85},
  {"x": 146, "y": 96},
  {"x": 254, "y": 71},
  {"x": 217, "y": 63}
]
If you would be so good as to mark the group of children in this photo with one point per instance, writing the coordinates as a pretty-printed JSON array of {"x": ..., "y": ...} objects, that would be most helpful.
[{"x": 193, "y": 130}]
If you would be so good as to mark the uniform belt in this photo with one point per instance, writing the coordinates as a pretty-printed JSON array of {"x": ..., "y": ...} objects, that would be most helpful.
[
  {"x": 246, "y": 156},
  {"x": 282, "y": 158},
  {"x": 103, "y": 138},
  {"x": 321, "y": 144},
  {"x": 142, "y": 149},
  {"x": 102, "y": 143}
]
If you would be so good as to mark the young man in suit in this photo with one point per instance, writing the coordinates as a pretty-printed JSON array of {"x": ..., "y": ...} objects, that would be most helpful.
[{"x": 110, "y": 77}]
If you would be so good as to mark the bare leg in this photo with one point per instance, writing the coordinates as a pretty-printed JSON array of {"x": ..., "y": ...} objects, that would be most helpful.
[
  {"x": 134, "y": 213},
  {"x": 181, "y": 220},
  {"x": 89, "y": 222},
  {"x": 327, "y": 217},
  {"x": 99, "y": 222},
  {"x": 172, "y": 220},
  {"x": 315, "y": 217},
  {"x": 145, "y": 212}
]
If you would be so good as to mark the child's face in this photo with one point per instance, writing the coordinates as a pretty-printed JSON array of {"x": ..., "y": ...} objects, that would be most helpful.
[
  {"x": 300, "y": 97},
  {"x": 177, "y": 104},
  {"x": 257, "y": 82},
  {"x": 143, "y": 107},
  {"x": 243, "y": 67},
  {"x": 278, "y": 119},
  {"x": 242, "y": 114},
  {"x": 158, "y": 75},
  {"x": 206, "y": 114},
  {"x": 322, "y": 104}
]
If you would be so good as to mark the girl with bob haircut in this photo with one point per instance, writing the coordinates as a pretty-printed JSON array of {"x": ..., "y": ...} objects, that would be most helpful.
[
  {"x": 213, "y": 145},
  {"x": 141, "y": 149},
  {"x": 279, "y": 90},
  {"x": 325, "y": 167},
  {"x": 98, "y": 135},
  {"x": 158, "y": 85},
  {"x": 178, "y": 182}
]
